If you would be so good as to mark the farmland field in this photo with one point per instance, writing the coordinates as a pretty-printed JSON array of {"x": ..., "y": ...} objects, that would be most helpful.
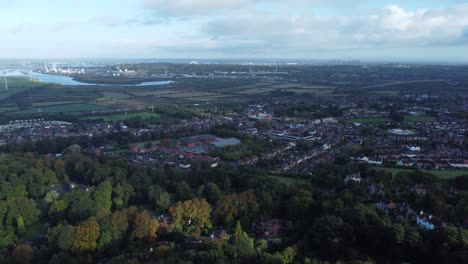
[
  {"x": 63, "y": 108},
  {"x": 39, "y": 104},
  {"x": 122, "y": 117}
]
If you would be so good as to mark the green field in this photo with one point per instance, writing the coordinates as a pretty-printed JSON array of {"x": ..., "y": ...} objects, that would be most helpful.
[
  {"x": 142, "y": 144},
  {"x": 443, "y": 174},
  {"x": 40, "y": 104},
  {"x": 290, "y": 181},
  {"x": 122, "y": 117},
  {"x": 18, "y": 84},
  {"x": 63, "y": 108},
  {"x": 385, "y": 92}
]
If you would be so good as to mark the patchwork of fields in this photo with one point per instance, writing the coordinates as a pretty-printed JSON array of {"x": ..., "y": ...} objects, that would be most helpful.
[
  {"x": 37, "y": 97},
  {"x": 122, "y": 117}
]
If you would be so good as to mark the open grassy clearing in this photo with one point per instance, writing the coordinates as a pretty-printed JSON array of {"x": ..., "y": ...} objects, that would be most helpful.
[
  {"x": 443, "y": 174},
  {"x": 242, "y": 87},
  {"x": 156, "y": 92},
  {"x": 39, "y": 104},
  {"x": 256, "y": 91},
  {"x": 142, "y": 144},
  {"x": 18, "y": 85},
  {"x": 122, "y": 117},
  {"x": 63, "y": 108},
  {"x": 208, "y": 98},
  {"x": 115, "y": 95},
  {"x": 290, "y": 181},
  {"x": 191, "y": 94},
  {"x": 309, "y": 91}
]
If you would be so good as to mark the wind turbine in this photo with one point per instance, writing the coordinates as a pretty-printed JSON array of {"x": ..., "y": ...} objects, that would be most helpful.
[{"x": 6, "y": 82}]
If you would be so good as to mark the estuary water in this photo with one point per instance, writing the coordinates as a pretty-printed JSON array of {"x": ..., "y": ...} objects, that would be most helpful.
[{"x": 67, "y": 80}]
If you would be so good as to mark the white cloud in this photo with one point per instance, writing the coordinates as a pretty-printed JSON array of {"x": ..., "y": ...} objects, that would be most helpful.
[{"x": 389, "y": 27}]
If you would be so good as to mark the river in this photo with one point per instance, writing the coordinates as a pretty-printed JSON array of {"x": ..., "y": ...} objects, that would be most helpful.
[{"x": 67, "y": 80}]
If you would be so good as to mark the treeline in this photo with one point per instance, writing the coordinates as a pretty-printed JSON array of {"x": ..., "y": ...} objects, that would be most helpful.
[{"x": 98, "y": 208}]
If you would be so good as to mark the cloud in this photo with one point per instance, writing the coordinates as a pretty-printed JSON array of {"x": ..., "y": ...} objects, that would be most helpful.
[
  {"x": 191, "y": 8},
  {"x": 388, "y": 27}
]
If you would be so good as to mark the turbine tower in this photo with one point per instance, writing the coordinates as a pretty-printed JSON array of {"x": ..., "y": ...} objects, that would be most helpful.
[{"x": 6, "y": 82}]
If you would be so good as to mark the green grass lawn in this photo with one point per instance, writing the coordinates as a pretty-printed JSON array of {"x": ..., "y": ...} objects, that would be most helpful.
[
  {"x": 123, "y": 117},
  {"x": 63, "y": 108},
  {"x": 142, "y": 144},
  {"x": 290, "y": 181},
  {"x": 411, "y": 119},
  {"x": 443, "y": 174}
]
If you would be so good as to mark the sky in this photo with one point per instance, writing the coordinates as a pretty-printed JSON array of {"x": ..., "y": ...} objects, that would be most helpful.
[{"x": 265, "y": 29}]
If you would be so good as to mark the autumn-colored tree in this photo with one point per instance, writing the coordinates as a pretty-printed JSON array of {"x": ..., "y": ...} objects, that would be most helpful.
[
  {"x": 141, "y": 225},
  {"x": 153, "y": 229},
  {"x": 232, "y": 207},
  {"x": 119, "y": 222},
  {"x": 86, "y": 235},
  {"x": 22, "y": 254},
  {"x": 191, "y": 215}
]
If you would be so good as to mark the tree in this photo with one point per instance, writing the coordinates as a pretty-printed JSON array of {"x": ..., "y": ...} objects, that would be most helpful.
[
  {"x": 121, "y": 194},
  {"x": 103, "y": 196},
  {"x": 160, "y": 198},
  {"x": 20, "y": 225},
  {"x": 51, "y": 196},
  {"x": 184, "y": 192},
  {"x": 242, "y": 244},
  {"x": 59, "y": 168},
  {"x": 104, "y": 220},
  {"x": 288, "y": 255},
  {"x": 119, "y": 222},
  {"x": 141, "y": 225},
  {"x": 191, "y": 215},
  {"x": 50, "y": 177},
  {"x": 82, "y": 206},
  {"x": 212, "y": 192},
  {"x": 153, "y": 229},
  {"x": 232, "y": 207},
  {"x": 86, "y": 235},
  {"x": 62, "y": 236},
  {"x": 398, "y": 231},
  {"x": 22, "y": 254}
]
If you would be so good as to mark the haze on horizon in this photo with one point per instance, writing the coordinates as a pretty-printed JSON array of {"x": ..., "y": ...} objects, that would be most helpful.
[{"x": 303, "y": 29}]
